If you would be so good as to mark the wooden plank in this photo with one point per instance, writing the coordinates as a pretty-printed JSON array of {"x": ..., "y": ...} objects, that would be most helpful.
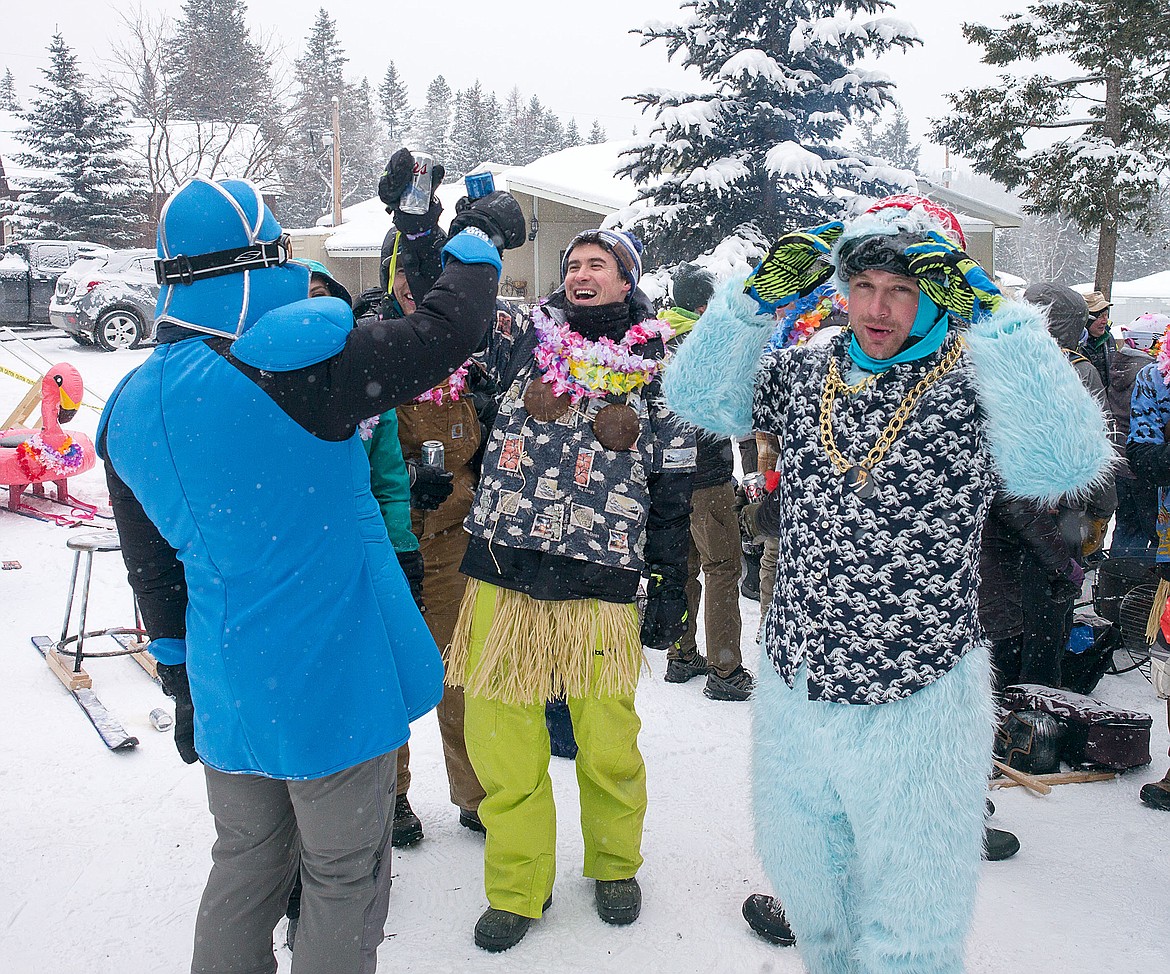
[
  {"x": 147, "y": 662},
  {"x": 64, "y": 671},
  {"x": 1027, "y": 780},
  {"x": 25, "y": 409},
  {"x": 1059, "y": 778}
]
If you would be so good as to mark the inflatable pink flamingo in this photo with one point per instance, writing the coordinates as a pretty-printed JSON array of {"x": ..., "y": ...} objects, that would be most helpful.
[{"x": 32, "y": 457}]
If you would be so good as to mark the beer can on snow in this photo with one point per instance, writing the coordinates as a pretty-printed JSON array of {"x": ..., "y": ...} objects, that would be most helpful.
[
  {"x": 432, "y": 453},
  {"x": 161, "y": 720},
  {"x": 753, "y": 487},
  {"x": 417, "y": 197}
]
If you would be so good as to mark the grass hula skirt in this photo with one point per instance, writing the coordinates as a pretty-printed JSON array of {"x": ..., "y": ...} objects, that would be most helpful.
[{"x": 529, "y": 651}]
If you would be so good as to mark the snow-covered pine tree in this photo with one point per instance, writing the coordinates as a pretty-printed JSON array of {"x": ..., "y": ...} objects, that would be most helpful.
[
  {"x": 307, "y": 162},
  {"x": 572, "y": 134},
  {"x": 552, "y": 133},
  {"x": 77, "y": 142},
  {"x": 8, "y": 100},
  {"x": 596, "y": 133},
  {"x": 397, "y": 115},
  {"x": 890, "y": 142},
  {"x": 761, "y": 145},
  {"x": 218, "y": 73},
  {"x": 1110, "y": 111},
  {"x": 476, "y": 132},
  {"x": 432, "y": 126}
]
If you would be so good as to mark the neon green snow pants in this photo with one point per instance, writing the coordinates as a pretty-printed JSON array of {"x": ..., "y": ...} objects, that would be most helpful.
[{"x": 509, "y": 748}]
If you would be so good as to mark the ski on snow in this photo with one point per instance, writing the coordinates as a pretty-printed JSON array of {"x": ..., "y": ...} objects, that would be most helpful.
[{"x": 79, "y": 685}]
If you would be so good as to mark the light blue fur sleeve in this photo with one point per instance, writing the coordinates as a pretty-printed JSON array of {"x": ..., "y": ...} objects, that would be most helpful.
[
  {"x": 1047, "y": 434},
  {"x": 709, "y": 382}
]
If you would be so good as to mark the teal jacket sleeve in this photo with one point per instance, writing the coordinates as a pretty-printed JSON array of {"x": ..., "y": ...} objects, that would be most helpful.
[{"x": 390, "y": 481}]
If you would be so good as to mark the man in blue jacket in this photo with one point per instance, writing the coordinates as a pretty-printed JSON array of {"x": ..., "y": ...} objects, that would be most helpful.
[{"x": 281, "y": 620}]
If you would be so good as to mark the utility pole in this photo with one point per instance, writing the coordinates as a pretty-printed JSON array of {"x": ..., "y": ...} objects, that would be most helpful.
[{"x": 336, "y": 161}]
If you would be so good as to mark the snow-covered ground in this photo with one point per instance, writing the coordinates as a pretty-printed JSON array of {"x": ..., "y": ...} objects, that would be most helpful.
[{"x": 103, "y": 855}]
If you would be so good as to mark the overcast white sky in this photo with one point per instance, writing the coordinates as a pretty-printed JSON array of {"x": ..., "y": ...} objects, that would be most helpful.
[{"x": 578, "y": 57}]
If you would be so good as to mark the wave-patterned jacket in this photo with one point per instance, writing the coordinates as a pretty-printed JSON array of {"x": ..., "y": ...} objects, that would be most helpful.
[{"x": 877, "y": 595}]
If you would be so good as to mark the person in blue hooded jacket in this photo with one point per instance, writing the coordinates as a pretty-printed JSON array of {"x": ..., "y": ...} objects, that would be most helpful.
[{"x": 281, "y": 620}]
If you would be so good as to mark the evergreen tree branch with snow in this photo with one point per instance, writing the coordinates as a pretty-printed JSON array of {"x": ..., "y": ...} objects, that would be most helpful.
[
  {"x": 759, "y": 152},
  {"x": 83, "y": 185},
  {"x": 1091, "y": 142}
]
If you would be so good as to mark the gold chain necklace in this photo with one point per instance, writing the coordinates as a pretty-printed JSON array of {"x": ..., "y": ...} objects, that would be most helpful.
[{"x": 857, "y": 475}]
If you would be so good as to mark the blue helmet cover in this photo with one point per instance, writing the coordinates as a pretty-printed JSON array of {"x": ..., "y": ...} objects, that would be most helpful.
[{"x": 203, "y": 217}]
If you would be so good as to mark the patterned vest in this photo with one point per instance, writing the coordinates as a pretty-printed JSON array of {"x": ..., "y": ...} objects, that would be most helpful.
[
  {"x": 552, "y": 487},
  {"x": 877, "y": 596}
]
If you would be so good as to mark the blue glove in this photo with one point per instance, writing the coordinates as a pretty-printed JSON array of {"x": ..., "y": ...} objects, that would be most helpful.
[
  {"x": 473, "y": 246},
  {"x": 952, "y": 279},
  {"x": 797, "y": 265}
]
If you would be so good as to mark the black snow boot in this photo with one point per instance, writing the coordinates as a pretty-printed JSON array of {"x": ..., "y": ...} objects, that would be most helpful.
[
  {"x": 737, "y": 685},
  {"x": 1156, "y": 794},
  {"x": 408, "y": 829},
  {"x": 619, "y": 901},
  {"x": 999, "y": 845},
  {"x": 469, "y": 819},
  {"x": 498, "y": 930},
  {"x": 765, "y": 915},
  {"x": 681, "y": 670}
]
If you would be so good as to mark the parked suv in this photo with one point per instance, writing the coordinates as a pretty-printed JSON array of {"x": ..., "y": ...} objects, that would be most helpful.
[
  {"x": 107, "y": 300},
  {"x": 28, "y": 274}
]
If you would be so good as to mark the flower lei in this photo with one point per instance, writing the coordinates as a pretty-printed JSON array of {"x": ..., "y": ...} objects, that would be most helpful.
[
  {"x": 454, "y": 386},
  {"x": 367, "y": 426},
  {"x": 36, "y": 458},
  {"x": 586, "y": 369},
  {"x": 806, "y": 316}
]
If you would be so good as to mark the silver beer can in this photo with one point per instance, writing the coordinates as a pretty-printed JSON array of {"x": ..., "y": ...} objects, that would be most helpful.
[
  {"x": 432, "y": 454},
  {"x": 416, "y": 198},
  {"x": 161, "y": 720},
  {"x": 753, "y": 487}
]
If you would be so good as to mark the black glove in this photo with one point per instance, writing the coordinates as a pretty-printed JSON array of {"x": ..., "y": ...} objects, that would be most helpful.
[
  {"x": 497, "y": 214},
  {"x": 392, "y": 185},
  {"x": 411, "y": 563},
  {"x": 665, "y": 619},
  {"x": 748, "y": 528},
  {"x": 429, "y": 486},
  {"x": 174, "y": 684}
]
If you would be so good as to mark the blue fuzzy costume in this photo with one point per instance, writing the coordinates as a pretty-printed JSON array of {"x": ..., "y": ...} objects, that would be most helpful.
[{"x": 873, "y": 713}]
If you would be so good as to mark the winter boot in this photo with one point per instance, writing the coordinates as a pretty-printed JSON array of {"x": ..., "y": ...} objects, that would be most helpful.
[
  {"x": 765, "y": 915},
  {"x": 619, "y": 901},
  {"x": 749, "y": 586},
  {"x": 469, "y": 819},
  {"x": 559, "y": 722},
  {"x": 408, "y": 829},
  {"x": 999, "y": 845},
  {"x": 680, "y": 670},
  {"x": 737, "y": 685},
  {"x": 498, "y": 930},
  {"x": 1156, "y": 794}
]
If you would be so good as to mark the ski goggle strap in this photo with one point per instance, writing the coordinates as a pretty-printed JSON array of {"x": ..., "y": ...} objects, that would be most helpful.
[{"x": 187, "y": 270}]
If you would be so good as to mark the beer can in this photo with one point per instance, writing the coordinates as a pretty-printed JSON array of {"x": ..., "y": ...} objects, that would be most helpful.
[
  {"x": 417, "y": 198},
  {"x": 479, "y": 184},
  {"x": 161, "y": 720},
  {"x": 432, "y": 453},
  {"x": 753, "y": 487}
]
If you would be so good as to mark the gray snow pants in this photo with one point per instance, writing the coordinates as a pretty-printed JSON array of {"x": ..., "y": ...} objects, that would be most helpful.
[{"x": 338, "y": 828}]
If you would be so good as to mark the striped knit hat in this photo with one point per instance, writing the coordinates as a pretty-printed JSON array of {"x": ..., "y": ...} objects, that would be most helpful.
[{"x": 625, "y": 247}]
